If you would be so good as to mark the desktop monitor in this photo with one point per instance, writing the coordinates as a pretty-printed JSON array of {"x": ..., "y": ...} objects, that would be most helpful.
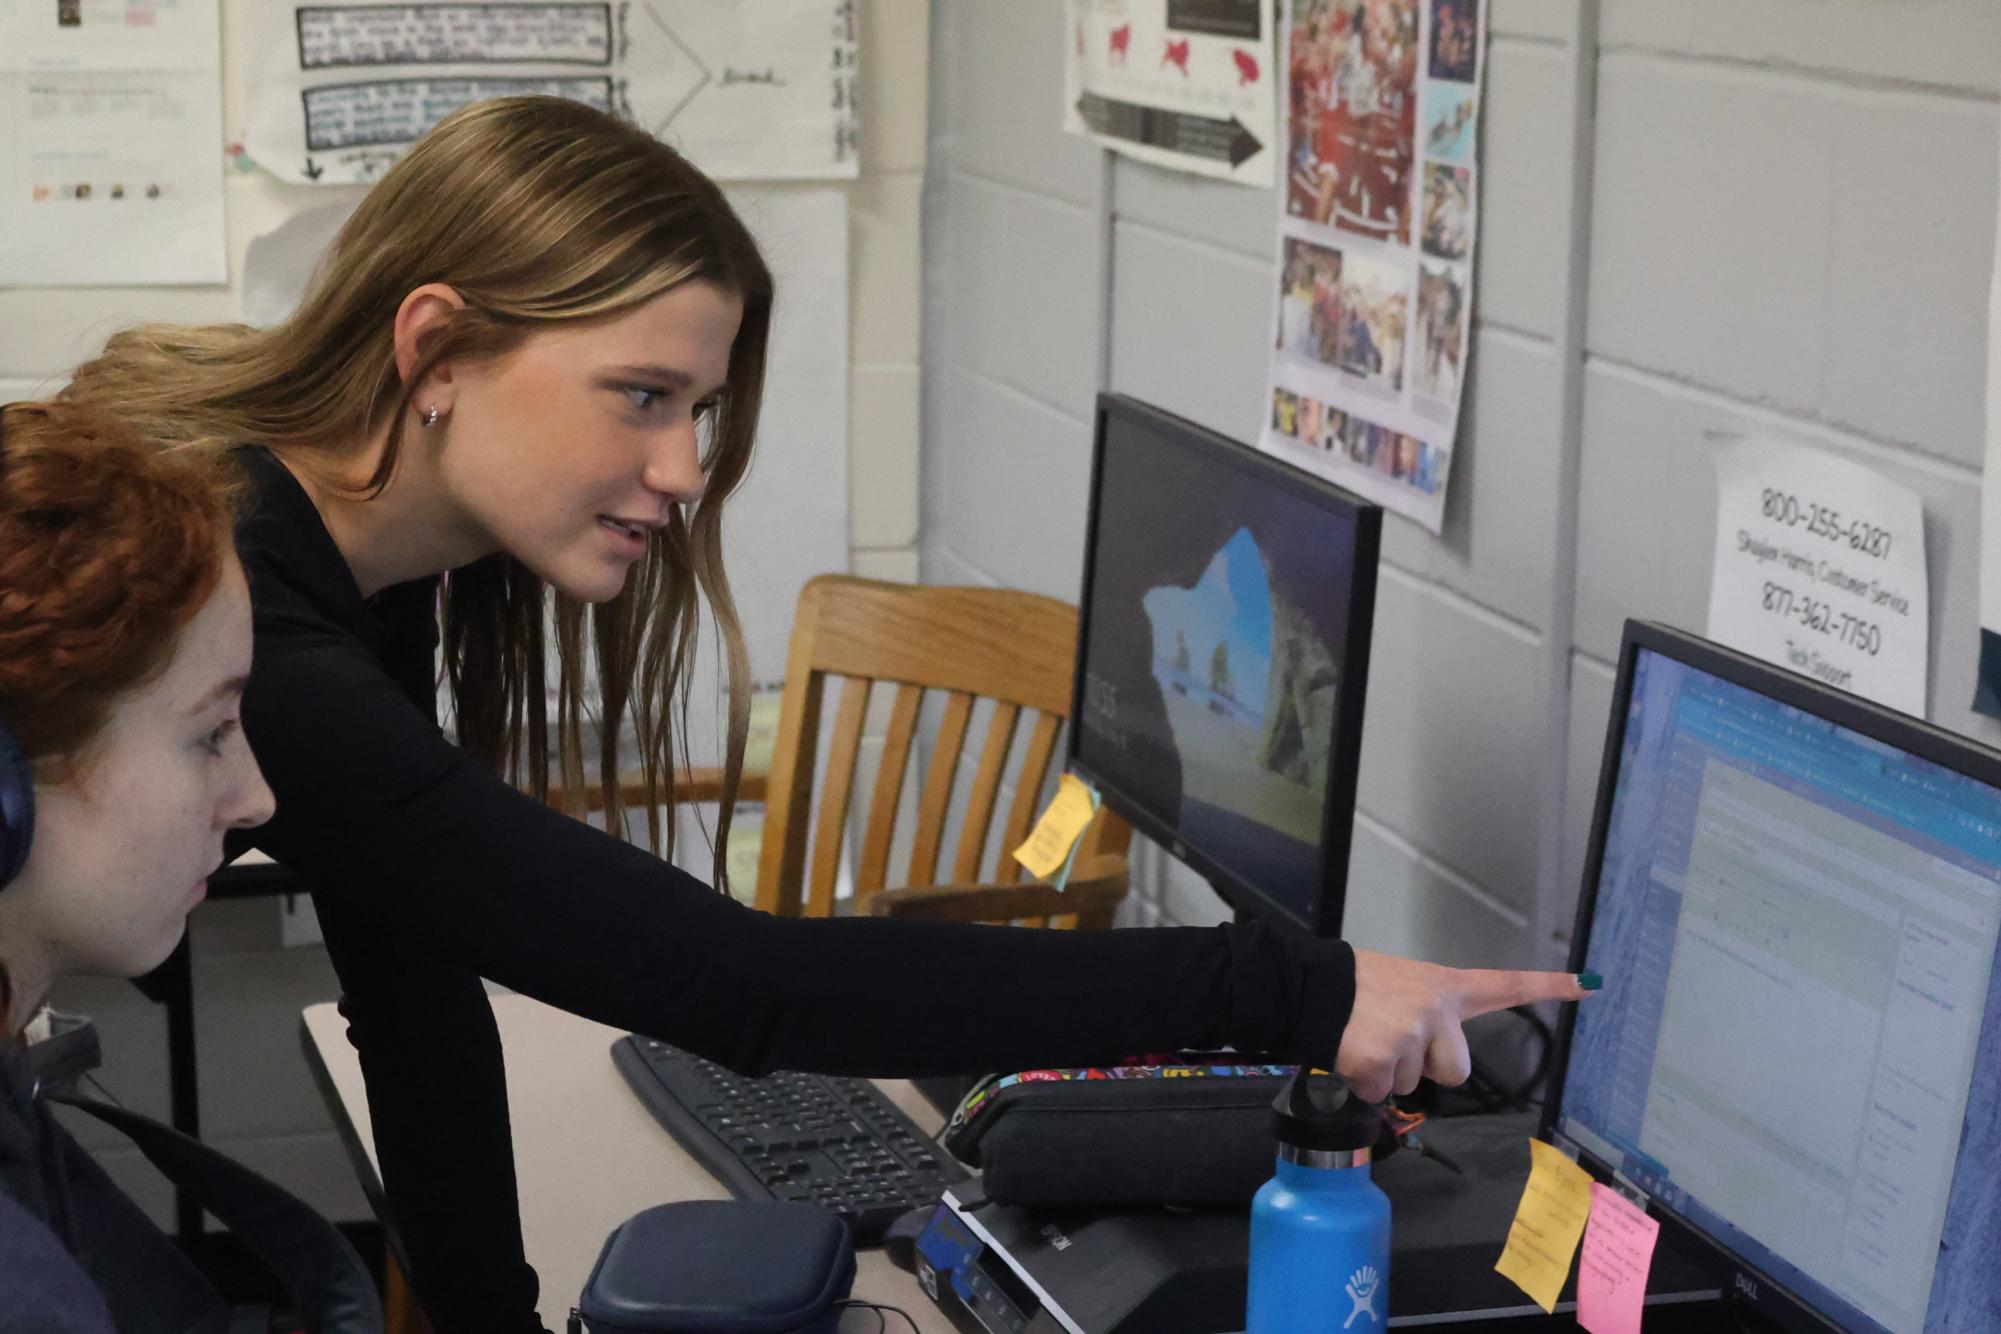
[
  {"x": 1222, "y": 657},
  {"x": 1793, "y": 896}
]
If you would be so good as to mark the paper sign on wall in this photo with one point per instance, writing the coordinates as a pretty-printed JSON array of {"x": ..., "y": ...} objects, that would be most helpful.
[
  {"x": 747, "y": 91},
  {"x": 1378, "y": 208},
  {"x": 1186, "y": 84},
  {"x": 1820, "y": 567},
  {"x": 110, "y": 163}
]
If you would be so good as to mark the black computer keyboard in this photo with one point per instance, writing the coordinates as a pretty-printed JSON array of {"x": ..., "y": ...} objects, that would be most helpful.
[{"x": 831, "y": 1141}]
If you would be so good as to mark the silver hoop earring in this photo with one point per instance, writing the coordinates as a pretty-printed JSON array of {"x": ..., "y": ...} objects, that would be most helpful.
[{"x": 431, "y": 415}]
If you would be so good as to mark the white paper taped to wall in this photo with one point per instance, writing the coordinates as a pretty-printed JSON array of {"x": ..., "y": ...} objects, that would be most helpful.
[
  {"x": 1820, "y": 567},
  {"x": 1183, "y": 84},
  {"x": 278, "y": 265},
  {"x": 748, "y": 91},
  {"x": 110, "y": 147}
]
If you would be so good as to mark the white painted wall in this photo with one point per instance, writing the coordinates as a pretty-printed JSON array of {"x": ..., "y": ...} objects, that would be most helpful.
[{"x": 1784, "y": 220}]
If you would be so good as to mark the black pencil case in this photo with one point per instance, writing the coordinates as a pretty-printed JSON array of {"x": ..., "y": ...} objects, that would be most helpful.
[
  {"x": 720, "y": 1267},
  {"x": 1196, "y": 1133}
]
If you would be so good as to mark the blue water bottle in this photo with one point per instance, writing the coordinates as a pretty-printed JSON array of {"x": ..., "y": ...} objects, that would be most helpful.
[{"x": 1320, "y": 1228}]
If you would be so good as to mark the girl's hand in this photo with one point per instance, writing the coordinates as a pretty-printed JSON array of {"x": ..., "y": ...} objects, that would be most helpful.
[{"x": 1408, "y": 1018}]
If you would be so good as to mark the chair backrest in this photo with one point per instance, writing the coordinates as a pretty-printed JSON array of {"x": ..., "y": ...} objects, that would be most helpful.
[{"x": 1016, "y": 649}]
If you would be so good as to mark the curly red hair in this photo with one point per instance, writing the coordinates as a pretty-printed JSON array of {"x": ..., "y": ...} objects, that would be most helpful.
[{"x": 108, "y": 548}]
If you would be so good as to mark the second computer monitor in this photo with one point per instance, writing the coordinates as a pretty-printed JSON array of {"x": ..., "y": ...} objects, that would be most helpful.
[
  {"x": 1227, "y": 604},
  {"x": 1794, "y": 898}
]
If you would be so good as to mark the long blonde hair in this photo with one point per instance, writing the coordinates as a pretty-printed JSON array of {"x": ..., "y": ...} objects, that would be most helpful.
[{"x": 537, "y": 211}]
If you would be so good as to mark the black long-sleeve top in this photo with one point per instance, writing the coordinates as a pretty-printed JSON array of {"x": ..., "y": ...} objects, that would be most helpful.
[{"x": 429, "y": 872}]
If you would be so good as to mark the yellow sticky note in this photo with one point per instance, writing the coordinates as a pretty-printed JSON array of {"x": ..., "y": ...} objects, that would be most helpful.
[
  {"x": 1057, "y": 832},
  {"x": 1548, "y": 1224}
]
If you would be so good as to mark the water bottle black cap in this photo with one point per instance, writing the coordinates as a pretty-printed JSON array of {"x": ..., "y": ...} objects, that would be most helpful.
[{"x": 1323, "y": 1114}]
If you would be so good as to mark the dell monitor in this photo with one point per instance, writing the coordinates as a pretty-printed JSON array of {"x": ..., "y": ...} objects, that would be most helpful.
[
  {"x": 1793, "y": 896},
  {"x": 1222, "y": 657}
]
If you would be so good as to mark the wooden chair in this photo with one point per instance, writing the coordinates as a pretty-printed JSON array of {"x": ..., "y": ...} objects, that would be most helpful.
[{"x": 1015, "y": 649}]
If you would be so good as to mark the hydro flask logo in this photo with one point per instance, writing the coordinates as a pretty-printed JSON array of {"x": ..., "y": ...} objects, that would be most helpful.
[{"x": 1363, "y": 1285}]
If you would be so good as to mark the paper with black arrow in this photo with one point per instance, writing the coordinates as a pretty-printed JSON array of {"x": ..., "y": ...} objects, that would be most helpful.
[{"x": 1186, "y": 84}]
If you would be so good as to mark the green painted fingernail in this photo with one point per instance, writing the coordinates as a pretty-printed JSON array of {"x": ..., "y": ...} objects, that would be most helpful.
[{"x": 1590, "y": 981}]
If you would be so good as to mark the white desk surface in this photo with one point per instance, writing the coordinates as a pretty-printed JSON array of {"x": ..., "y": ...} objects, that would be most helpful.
[{"x": 589, "y": 1156}]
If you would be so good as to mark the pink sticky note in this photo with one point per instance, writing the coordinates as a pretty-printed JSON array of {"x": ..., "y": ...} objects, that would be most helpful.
[{"x": 1612, "y": 1267}]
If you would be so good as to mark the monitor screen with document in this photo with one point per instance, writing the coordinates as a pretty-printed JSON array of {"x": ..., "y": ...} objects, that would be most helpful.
[{"x": 1794, "y": 898}]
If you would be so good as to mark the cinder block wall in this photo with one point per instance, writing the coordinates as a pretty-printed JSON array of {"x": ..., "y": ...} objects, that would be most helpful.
[{"x": 1783, "y": 222}]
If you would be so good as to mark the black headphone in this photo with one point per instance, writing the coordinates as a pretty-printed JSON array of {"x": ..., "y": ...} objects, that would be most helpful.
[
  {"x": 17, "y": 785},
  {"x": 17, "y": 807}
]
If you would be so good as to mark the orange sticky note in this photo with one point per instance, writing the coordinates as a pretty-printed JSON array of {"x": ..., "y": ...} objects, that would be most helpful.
[
  {"x": 1548, "y": 1223},
  {"x": 1612, "y": 1270},
  {"x": 1057, "y": 832}
]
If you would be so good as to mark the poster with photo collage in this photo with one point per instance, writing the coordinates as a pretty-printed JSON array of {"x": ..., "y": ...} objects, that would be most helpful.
[{"x": 1378, "y": 201}]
